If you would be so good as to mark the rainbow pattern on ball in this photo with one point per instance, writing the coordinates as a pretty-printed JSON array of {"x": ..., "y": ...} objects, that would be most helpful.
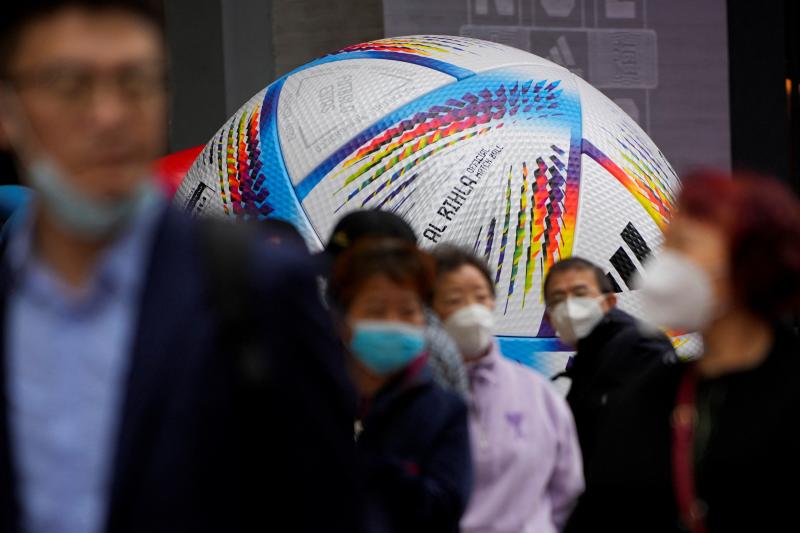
[{"x": 473, "y": 142}]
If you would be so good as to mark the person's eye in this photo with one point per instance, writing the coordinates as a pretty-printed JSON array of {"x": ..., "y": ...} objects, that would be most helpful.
[
  {"x": 65, "y": 84},
  {"x": 141, "y": 83},
  {"x": 411, "y": 309},
  {"x": 373, "y": 311}
]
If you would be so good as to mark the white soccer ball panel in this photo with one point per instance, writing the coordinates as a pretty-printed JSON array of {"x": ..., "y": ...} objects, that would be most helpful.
[
  {"x": 614, "y": 231},
  {"x": 323, "y": 107}
]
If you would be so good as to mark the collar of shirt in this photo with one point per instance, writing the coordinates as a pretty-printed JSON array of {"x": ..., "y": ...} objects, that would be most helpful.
[
  {"x": 415, "y": 375},
  {"x": 118, "y": 272},
  {"x": 484, "y": 370}
]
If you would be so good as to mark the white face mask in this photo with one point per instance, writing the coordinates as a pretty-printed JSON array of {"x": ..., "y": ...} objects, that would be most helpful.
[
  {"x": 576, "y": 317},
  {"x": 471, "y": 328},
  {"x": 676, "y": 293}
]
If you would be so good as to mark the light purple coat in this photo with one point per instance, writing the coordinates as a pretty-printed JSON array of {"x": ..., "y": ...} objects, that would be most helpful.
[{"x": 527, "y": 461}]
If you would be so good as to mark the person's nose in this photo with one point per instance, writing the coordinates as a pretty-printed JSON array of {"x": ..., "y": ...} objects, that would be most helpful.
[
  {"x": 393, "y": 316},
  {"x": 109, "y": 108}
]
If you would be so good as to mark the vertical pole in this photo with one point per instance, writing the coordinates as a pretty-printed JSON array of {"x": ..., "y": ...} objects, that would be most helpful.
[
  {"x": 248, "y": 49},
  {"x": 197, "y": 73}
]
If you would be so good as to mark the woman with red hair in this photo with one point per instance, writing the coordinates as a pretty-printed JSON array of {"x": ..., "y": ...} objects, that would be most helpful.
[{"x": 712, "y": 445}]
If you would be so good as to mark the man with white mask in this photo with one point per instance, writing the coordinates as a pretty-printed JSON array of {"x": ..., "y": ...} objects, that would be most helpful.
[
  {"x": 526, "y": 459},
  {"x": 611, "y": 348}
]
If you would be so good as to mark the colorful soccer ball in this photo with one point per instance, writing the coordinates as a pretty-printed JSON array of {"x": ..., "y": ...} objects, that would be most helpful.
[{"x": 473, "y": 142}]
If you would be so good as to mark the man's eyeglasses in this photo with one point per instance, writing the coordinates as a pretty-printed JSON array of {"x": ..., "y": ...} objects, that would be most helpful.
[{"x": 75, "y": 87}]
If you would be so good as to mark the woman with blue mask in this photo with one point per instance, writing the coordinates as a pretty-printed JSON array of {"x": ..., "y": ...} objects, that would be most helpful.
[
  {"x": 411, "y": 435},
  {"x": 526, "y": 457}
]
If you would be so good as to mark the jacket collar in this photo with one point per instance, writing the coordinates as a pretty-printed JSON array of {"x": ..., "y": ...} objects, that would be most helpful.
[
  {"x": 153, "y": 342},
  {"x": 607, "y": 327},
  {"x": 416, "y": 375},
  {"x": 584, "y": 359}
]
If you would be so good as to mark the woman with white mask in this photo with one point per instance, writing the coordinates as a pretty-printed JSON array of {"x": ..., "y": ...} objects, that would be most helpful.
[
  {"x": 712, "y": 445},
  {"x": 526, "y": 458}
]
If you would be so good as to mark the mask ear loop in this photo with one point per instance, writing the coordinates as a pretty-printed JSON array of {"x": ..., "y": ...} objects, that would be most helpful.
[
  {"x": 10, "y": 102},
  {"x": 23, "y": 155},
  {"x": 4, "y": 129}
]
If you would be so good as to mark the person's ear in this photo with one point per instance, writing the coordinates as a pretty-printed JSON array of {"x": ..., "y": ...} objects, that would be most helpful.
[
  {"x": 4, "y": 144},
  {"x": 723, "y": 291},
  {"x": 609, "y": 302},
  {"x": 7, "y": 129},
  {"x": 431, "y": 303},
  {"x": 344, "y": 329}
]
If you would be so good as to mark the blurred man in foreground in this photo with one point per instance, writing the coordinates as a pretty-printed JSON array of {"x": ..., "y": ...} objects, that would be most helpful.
[{"x": 129, "y": 401}]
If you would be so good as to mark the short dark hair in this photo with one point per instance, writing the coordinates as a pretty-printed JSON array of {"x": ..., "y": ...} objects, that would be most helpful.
[
  {"x": 19, "y": 14},
  {"x": 400, "y": 261},
  {"x": 450, "y": 257},
  {"x": 364, "y": 223},
  {"x": 578, "y": 263}
]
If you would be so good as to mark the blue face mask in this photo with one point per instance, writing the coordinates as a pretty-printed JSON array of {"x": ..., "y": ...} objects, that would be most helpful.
[
  {"x": 78, "y": 213},
  {"x": 384, "y": 346}
]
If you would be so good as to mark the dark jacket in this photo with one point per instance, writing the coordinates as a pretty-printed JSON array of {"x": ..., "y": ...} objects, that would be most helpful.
[
  {"x": 415, "y": 453},
  {"x": 613, "y": 355},
  {"x": 199, "y": 449},
  {"x": 748, "y": 475}
]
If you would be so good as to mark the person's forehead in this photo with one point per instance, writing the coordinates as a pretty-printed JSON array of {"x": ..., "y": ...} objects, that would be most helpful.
[
  {"x": 380, "y": 281},
  {"x": 77, "y": 35},
  {"x": 691, "y": 229},
  {"x": 571, "y": 278},
  {"x": 385, "y": 289},
  {"x": 705, "y": 242},
  {"x": 465, "y": 276}
]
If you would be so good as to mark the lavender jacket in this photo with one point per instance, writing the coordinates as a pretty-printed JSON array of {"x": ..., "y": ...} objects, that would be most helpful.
[{"x": 526, "y": 458}]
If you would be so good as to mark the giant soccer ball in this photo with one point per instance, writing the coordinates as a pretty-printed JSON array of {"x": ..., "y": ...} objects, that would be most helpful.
[{"x": 473, "y": 142}]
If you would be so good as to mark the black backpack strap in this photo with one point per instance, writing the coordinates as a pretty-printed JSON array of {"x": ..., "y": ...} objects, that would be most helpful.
[{"x": 226, "y": 248}]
